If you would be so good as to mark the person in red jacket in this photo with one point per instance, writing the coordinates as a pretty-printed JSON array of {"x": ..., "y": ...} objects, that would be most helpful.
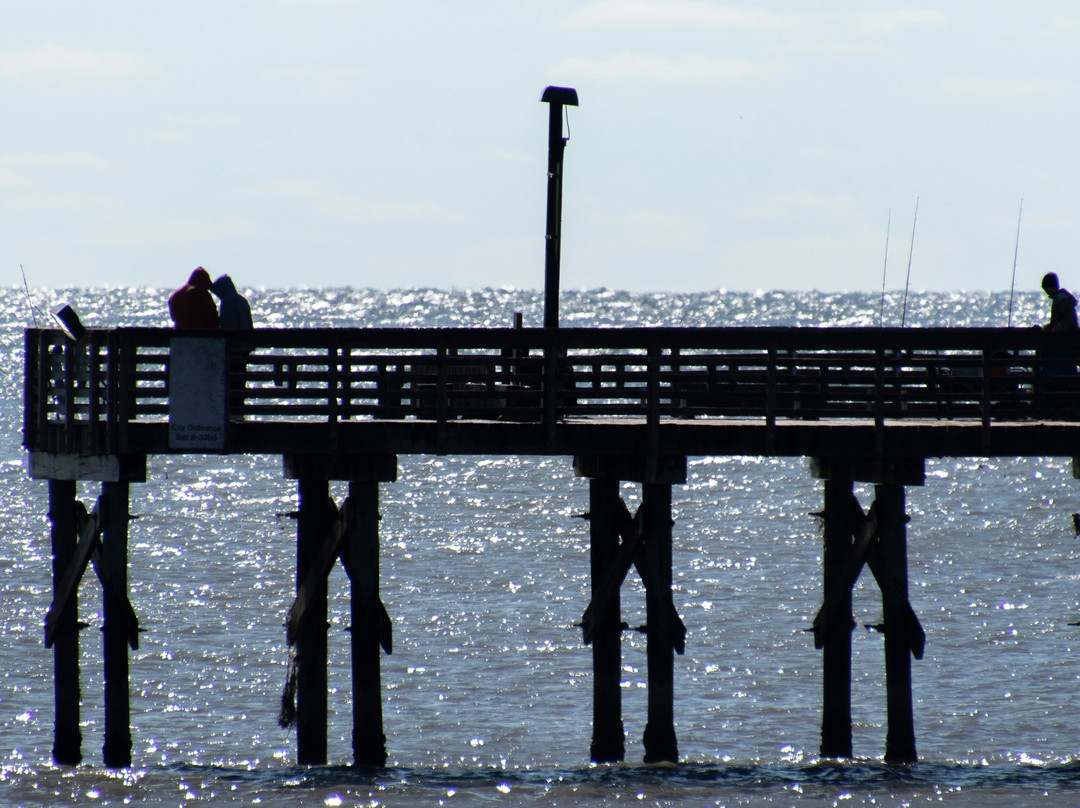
[{"x": 191, "y": 306}]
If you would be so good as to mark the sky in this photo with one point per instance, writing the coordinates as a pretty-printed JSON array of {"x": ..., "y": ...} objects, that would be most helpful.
[{"x": 402, "y": 143}]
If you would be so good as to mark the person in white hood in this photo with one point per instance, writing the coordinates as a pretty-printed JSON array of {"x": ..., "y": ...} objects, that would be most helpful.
[{"x": 235, "y": 311}]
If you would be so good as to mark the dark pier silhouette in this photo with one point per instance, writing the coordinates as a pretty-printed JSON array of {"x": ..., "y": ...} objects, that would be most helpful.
[{"x": 863, "y": 405}]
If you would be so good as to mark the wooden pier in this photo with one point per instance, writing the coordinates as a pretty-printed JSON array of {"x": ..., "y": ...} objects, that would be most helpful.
[{"x": 866, "y": 405}]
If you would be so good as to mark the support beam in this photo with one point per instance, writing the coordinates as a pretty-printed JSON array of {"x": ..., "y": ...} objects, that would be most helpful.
[
  {"x": 314, "y": 581},
  {"x": 63, "y": 609},
  {"x": 915, "y": 630},
  {"x": 607, "y": 579},
  {"x": 311, "y": 646},
  {"x": 114, "y": 563},
  {"x": 603, "y": 627},
  {"x": 67, "y": 737},
  {"x": 659, "y": 740},
  {"x": 633, "y": 468},
  {"x": 362, "y": 538},
  {"x": 834, "y": 632},
  {"x": 861, "y": 527},
  {"x": 630, "y": 554},
  {"x": 900, "y": 736}
]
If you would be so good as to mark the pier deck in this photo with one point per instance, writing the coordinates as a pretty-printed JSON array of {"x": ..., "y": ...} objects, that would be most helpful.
[{"x": 630, "y": 404}]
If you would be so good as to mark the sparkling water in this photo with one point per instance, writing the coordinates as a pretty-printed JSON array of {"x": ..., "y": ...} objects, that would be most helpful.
[{"x": 485, "y": 572}]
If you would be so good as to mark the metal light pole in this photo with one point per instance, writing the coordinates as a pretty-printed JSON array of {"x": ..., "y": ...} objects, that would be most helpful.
[{"x": 558, "y": 97}]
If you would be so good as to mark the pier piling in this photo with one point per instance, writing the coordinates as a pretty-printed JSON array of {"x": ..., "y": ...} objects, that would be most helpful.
[
  {"x": 900, "y": 738},
  {"x": 116, "y": 628},
  {"x": 659, "y": 740},
  {"x": 608, "y": 741},
  {"x": 838, "y": 624},
  {"x": 877, "y": 540},
  {"x": 311, "y": 643},
  {"x": 67, "y": 737},
  {"x": 324, "y": 534},
  {"x": 646, "y": 544},
  {"x": 362, "y": 520}
]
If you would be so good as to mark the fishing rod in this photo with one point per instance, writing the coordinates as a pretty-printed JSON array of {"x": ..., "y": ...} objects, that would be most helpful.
[
  {"x": 884, "y": 270},
  {"x": 29, "y": 300},
  {"x": 1016, "y": 251},
  {"x": 907, "y": 283}
]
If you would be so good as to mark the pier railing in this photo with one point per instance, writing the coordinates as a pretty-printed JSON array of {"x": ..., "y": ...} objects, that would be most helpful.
[{"x": 84, "y": 395}]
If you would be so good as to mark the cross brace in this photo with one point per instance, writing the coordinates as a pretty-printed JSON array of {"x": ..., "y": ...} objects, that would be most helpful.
[
  {"x": 632, "y": 531},
  {"x": 89, "y": 527},
  {"x": 333, "y": 548},
  {"x": 865, "y": 550}
]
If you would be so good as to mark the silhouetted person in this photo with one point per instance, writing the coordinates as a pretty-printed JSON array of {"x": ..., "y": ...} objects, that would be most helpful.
[
  {"x": 191, "y": 306},
  {"x": 1062, "y": 307},
  {"x": 235, "y": 311},
  {"x": 1059, "y": 360}
]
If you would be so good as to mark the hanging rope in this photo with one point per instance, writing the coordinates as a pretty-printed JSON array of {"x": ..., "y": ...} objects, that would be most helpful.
[{"x": 287, "y": 717}]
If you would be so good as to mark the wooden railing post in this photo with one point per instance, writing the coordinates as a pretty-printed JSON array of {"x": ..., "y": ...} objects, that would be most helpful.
[
  {"x": 442, "y": 405},
  {"x": 652, "y": 417},
  {"x": 115, "y": 394},
  {"x": 770, "y": 398},
  {"x": 879, "y": 400}
]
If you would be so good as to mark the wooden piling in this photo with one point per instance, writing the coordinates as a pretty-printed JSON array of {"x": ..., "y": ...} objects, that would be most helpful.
[
  {"x": 362, "y": 520},
  {"x": 880, "y": 542},
  {"x": 311, "y": 646},
  {"x": 114, "y": 562},
  {"x": 836, "y": 635},
  {"x": 321, "y": 536},
  {"x": 608, "y": 741},
  {"x": 900, "y": 737},
  {"x": 660, "y": 743},
  {"x": 67, "y": 737}
]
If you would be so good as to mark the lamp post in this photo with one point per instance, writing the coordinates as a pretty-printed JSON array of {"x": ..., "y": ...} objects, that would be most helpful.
[{"x": 557, "y": 97}]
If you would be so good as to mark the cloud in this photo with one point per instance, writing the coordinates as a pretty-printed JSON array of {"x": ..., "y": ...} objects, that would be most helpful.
[
  {"x": 176, "y": 232},
  {"x": 353, "y": 209},
  {"x": 641, "y": 66},
  {"x": 1067, "y": 25},
  {"x": 61, "y": 202},
  {"x": 328, "y": 75},
  {"x": 68, "y": 161},
  {"x": 1011, "y": 86},
  {"x": 820, "y": 47},
  {"x": 300, "y": 188},
  {"x": 649, "y": 13},
  {"x": 16, "y": 168},
  {"x": 903, "y": 18},
  {"x": 323, "y": 2},
  {"x": 58, "y": 62}
]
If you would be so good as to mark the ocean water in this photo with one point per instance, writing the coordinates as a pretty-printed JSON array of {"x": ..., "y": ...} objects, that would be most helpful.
[{"x": 484, "y": 572}]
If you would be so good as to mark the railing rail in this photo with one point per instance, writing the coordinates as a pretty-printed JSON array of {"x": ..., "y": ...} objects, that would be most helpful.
[{"x": 83, "y": 396}]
